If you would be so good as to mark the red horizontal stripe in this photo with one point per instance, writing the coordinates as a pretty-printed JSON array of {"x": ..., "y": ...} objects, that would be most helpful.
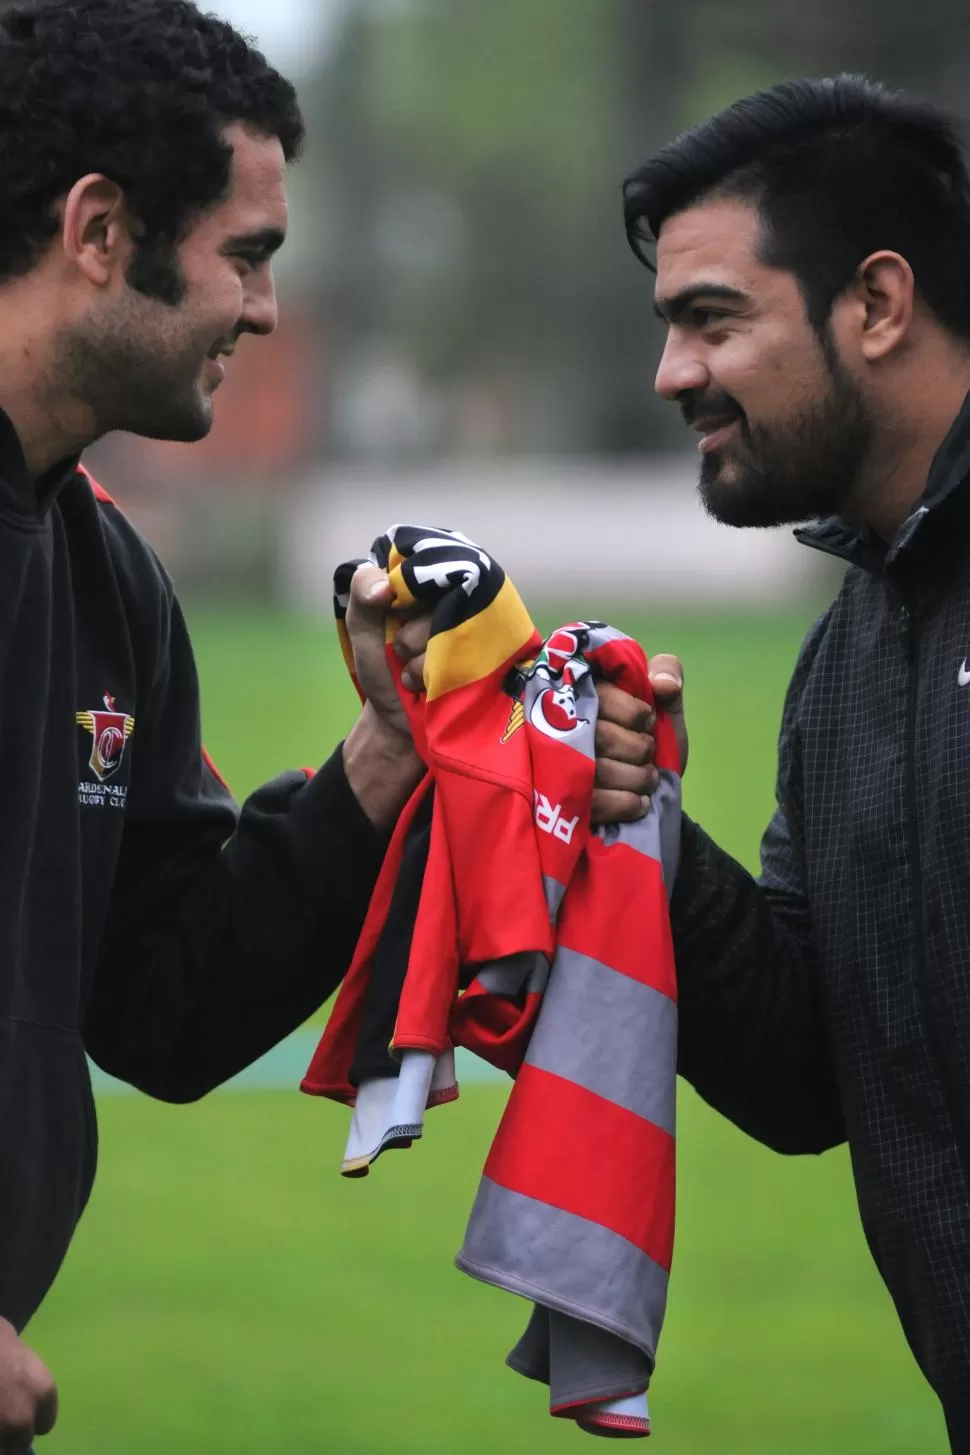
[
  {"x": 565, "y": 1146},
  {"x": 666, "y": 748},
  {"x": 616, "y": 912}
]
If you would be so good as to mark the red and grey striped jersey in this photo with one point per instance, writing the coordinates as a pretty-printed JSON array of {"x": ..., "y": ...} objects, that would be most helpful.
[{"x": 503, "y": 924}]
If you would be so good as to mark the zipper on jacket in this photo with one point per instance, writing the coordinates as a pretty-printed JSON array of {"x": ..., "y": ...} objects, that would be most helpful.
[{"x": 937, "y": 1055}]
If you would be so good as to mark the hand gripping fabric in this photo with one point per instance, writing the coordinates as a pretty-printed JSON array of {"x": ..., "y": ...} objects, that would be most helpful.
[{"x": 501, "y": 923}]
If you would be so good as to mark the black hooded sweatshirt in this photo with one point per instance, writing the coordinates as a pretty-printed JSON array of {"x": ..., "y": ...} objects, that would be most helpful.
[{"x": 144, "y": 918}]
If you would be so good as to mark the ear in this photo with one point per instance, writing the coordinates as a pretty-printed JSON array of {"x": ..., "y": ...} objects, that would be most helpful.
[
  {"x": 96, "y": 228},
  {"x": 885, "y": 289}
]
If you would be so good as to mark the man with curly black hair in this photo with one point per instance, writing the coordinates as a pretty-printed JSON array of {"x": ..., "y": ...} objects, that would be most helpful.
[{"x": 144, "y": 918}]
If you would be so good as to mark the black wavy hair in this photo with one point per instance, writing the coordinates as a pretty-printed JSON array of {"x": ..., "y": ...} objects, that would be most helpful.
[
  {"x": 838, "y": 169},
  {"x": 140, "y": 90}
]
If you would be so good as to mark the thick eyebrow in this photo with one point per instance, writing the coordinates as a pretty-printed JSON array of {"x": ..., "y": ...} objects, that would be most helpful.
[
  {"x": 266, "y": 241},
  {"x": 672, "y": 308}
]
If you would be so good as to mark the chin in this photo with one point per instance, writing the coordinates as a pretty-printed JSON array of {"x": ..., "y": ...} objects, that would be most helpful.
[
  {"x": 746, "y": 509},
  {"x": 184, "y": 428},
  {"x": 718, "y": 476},
  {"x": 731, "y": 500}
]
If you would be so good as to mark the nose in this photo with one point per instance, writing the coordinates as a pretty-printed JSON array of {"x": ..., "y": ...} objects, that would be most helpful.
[
  {"x": 260, "y": 309},
  {"x": 680, "y": 368}
]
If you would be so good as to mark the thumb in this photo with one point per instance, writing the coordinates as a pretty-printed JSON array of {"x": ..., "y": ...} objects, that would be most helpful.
[
  {"x": 666, "y": 675},
  {"x": 371, "y": 596},
  {"x": 667, "y": 680}
]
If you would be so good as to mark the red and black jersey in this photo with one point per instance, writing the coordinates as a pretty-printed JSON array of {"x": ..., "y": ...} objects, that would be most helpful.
[{"x": 144, "y": 918}]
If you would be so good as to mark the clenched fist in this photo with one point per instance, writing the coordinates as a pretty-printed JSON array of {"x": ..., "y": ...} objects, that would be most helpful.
[{"x": 28, "y": 1394}]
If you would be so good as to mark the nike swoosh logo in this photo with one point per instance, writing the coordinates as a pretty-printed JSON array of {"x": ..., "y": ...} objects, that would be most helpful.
[{"x": 963, "y": 676}]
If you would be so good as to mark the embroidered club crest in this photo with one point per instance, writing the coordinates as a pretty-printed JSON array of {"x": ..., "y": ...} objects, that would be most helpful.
[
  {"x": 561, "y": 664},
  {"x": 110, "y": 731},
  {"x": 554, "y": 711},
  {"x": 559, "y": 650}
]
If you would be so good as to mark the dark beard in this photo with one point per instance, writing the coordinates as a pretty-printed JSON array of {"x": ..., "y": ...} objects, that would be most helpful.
[
  {"x": 145, "y": 382},
  {"x": 800, "y": 470}
]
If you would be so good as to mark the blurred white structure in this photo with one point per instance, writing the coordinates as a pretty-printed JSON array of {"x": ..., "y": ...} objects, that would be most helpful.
[
  {"x": 293, "y": 34},
  {"x": 565, "y": 530}
]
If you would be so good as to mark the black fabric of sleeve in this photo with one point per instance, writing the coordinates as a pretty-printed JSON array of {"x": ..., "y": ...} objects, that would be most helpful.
[
  {"x": 753, "y": 1039},
  {"x": 226, "y": 929}
]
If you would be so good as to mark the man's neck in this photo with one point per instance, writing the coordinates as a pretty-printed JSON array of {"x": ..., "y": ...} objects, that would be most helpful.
[
  {"x": 49, "y": 431},
  {"x": 896, "y": 475},
  {"x": 51, "y": 425}
]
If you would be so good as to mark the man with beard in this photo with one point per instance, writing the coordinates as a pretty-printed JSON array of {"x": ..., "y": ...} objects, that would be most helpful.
[
  {"x": 143, "y": 917},
  {"x": 813, "y": 271}
]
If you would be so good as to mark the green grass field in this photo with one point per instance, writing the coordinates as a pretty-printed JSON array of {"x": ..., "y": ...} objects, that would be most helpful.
[{"x": 229, "y": 1293}]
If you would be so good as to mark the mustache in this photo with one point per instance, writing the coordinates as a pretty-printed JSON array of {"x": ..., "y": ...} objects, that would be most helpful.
[
  {"x": 230, "y": 340},
  {"x": 708, "y": 404}
]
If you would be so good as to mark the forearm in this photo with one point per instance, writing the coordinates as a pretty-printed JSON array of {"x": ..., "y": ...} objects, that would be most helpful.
[
  {"x": 752, "y": 1037},
  {"x": 382, "y": 768},
  {"x": 225, "y": 949}
]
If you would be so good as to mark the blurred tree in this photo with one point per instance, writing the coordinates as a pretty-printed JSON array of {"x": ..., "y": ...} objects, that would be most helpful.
[{"x": 469, "y": 155}]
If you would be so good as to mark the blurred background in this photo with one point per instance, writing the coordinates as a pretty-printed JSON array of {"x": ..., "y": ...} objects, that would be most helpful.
[{"x": 466, "y": 340}]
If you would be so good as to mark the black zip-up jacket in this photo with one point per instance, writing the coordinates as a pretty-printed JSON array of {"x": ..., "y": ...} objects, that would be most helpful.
[
  {"x": 830, "y": 998},
  {"x": 143, "y": 917}
]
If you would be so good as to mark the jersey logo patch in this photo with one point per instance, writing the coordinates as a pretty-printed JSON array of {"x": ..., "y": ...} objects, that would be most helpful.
[{"x": 110, "y": 731}]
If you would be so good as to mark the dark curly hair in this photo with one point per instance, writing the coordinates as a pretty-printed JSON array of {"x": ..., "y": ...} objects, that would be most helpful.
[
  {"x": 139, "y": 90},
  {"x": 839, "y": 168}
]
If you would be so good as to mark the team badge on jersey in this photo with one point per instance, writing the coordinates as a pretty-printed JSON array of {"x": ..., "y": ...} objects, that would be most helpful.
[
  {"x": 561, "y": 664},
  {"x": 110, "y": 731},
  {"x": 554, "y": 711}
]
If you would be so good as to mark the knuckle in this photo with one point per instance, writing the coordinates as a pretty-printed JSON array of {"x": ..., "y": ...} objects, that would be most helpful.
[
  {"x": 407, "y": 639},
  {"x": 17, "y": 1418},
  {"x": 362, "y": 578},
  {"x": 43, "y": 1382},
  {"x": 620, "y": 777}
]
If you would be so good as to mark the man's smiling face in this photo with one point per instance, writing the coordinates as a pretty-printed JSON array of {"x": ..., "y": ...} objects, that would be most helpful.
[{"x": 783, "y": 425}]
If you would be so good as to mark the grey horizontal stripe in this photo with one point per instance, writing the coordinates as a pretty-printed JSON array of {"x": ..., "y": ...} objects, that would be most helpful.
[
  {"x": 657, "y": 834},
  {"x": 539, "y": 978},
  {"x": 565, "y": 1263},
  {"x": 667, "y": 800},
  {"x": 528, "y": 970},
  {"x": 554, "y": 895},
  {"x": 610, "y": 1035},
  {"x": 578, "y": 1361}
]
